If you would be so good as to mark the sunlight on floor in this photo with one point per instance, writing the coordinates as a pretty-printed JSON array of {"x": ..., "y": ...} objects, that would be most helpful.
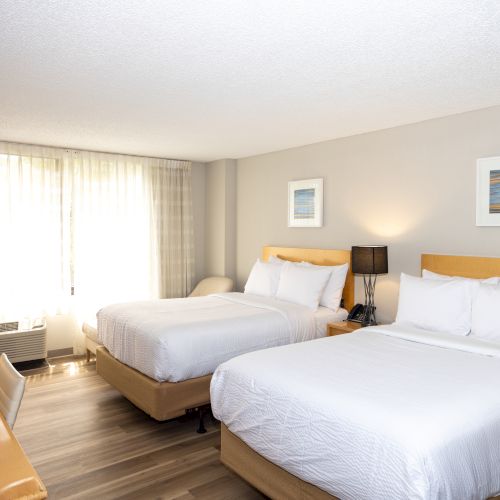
[{"x": 72, "y": 367}]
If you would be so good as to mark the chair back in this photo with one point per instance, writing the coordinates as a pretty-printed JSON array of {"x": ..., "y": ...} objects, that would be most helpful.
[
  {"x": 214, "y": 284},
  {"x": 11, "y": 390}
]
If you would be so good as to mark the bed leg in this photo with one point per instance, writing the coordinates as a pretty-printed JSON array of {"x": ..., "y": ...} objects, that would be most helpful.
[{"x": 201, "y": 424}]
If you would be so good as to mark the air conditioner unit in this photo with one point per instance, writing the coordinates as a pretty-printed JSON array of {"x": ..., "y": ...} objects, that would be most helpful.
[{"x": 23, "y": 345}]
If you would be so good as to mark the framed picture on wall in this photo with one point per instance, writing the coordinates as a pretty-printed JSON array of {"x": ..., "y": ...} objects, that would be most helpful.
[
  {"x": 488, "y": 192},
  {"x": 305, "y": 203}
]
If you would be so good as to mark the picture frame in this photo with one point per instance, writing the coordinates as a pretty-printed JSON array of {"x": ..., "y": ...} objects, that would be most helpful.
[
  {"x": 488, "y": 192},
  {"x": 305, "y": 203}
]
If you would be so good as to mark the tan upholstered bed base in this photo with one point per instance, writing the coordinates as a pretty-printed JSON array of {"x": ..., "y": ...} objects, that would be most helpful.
[
  {"x": 268, "y": 478},
  {"x": 160, "y": 400}
]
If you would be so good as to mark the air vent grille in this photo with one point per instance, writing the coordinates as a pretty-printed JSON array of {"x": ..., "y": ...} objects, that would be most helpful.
[
  {"x": 24, "y": 345},
  {"x": 9, "y": 327}
]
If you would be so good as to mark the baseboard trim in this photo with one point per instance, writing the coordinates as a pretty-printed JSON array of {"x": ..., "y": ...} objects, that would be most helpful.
[{"x": 56, "y": 353}]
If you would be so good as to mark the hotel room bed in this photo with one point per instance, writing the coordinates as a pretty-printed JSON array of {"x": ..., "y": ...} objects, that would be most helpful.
[
  {"x": 179, "y": 339},
  {"x": 382, "y": 413},
  {"x": 161, "y": 354},
  {"x": 386, "y": 412}
]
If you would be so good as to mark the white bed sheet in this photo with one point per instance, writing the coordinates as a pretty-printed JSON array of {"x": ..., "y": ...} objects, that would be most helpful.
[
  {"x": 177, "y": 339},
  {"x": 387, "y": 412}
]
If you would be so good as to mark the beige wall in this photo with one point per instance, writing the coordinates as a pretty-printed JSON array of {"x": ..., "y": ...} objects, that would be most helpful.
[
  {"x": 221, "y": 218},
  {"x": 199, "y": 207},
  {"x": 410, "y": 187},
  {"x": 61, "y": 330}
]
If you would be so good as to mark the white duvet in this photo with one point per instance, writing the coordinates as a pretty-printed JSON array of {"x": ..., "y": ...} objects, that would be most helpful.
[
  {"x": 384, "y": 413},
  {"x": 178, "y": 339}
]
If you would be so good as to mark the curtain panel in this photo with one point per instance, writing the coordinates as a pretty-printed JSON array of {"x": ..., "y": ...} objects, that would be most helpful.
[{"x": 82, "y": 229}]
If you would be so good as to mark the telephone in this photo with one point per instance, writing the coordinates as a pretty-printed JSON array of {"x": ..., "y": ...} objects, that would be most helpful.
[{"x": 357, "y": 313}]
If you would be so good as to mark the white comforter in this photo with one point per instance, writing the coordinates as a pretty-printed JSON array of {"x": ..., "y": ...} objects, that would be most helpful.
[
  {"x": 384, "y": 413},
  {"x": 178, "y": 339}
]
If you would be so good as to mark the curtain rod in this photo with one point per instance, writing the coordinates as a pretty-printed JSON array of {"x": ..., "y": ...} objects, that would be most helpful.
[{"x": 77, "y": 150}]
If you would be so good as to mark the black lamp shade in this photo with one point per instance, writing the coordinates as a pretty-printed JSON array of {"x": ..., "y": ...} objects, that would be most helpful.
[{"x": 369, "y": 259}]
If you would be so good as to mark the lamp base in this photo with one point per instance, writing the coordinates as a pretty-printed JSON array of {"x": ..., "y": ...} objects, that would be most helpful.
[{"x": 368, "y": 318}]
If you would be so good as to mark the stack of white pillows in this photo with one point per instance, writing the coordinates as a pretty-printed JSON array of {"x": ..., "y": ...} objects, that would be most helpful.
[
  {"x": 298, "y": 282},
  {"x": 454, "y": 305}
]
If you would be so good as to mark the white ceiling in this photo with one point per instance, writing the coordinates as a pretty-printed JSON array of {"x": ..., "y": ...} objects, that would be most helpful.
[{"x": 212, "y": 79}]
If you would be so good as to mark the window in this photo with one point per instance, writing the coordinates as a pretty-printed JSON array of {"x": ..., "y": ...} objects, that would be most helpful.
[{"x": 80, "y": 230}]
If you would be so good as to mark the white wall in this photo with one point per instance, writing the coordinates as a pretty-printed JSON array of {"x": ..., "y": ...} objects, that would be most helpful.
[
  {"x": 61, "y": 330},
  {"x": 410, "y": 187},
  {"x": 221, "y": 218},
  {"x": 199, "y": 207}
]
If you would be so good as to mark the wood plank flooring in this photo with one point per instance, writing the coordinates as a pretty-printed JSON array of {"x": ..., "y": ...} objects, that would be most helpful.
[{"x": 88, "y": 442}]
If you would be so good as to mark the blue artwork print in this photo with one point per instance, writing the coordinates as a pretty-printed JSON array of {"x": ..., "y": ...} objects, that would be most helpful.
[
  {"x": 495, "y": 192},
  {"x": 304, "y": 204}
]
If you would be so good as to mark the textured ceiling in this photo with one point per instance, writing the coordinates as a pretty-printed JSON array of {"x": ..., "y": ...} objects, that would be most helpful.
[{"x": 224, "y": 79}]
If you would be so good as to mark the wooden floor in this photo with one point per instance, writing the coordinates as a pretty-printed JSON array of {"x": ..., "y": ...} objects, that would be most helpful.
[{"x": 86, "y": 441}]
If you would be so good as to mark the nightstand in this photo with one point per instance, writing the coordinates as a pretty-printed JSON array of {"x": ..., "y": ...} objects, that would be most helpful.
[{"x": 342, "y": 327}]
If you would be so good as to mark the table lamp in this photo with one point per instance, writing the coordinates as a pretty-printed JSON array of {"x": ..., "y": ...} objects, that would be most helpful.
[{"x": 369, "y": 261}]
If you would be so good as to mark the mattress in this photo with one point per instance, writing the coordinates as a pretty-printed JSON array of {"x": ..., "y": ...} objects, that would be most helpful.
[
  {"x": 178, "y": 339},
  {"x": 386, "y": 412}
]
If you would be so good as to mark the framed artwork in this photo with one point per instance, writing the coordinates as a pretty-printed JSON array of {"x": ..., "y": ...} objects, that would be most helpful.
[
  {"x": 488, "y": 192},
  {"x": 305, "y": 203}
]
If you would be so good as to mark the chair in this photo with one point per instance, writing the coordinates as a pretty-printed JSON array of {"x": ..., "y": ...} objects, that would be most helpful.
[
  {"x": 11, "y": 390},
  {"x": 214, "y": 284}
]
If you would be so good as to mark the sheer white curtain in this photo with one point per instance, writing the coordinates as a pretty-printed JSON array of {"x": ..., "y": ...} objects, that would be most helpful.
[
  {"x": 32, "y": 275},
  {"x": 94, "y": 229},
  {"x": 172, "y": 210},
  {"x": 114, "y": 256}
]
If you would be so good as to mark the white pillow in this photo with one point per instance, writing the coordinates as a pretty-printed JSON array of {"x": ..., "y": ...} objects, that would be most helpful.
[
  {"x": 436, "y": 305},
  {"x": 485, "y": 313},
  {"x": 435, "y": 276},
  {"x": 302, "y": 285},
  {"x": 264, "y": 278},
  {"x": 332, "y": 294},
  {"x": 273, "y": 258}
]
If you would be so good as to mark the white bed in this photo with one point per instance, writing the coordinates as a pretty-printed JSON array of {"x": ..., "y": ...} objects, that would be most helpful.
[
  {"x": 179, "y": 339},
  {"x": 161, "y": 354},
  {"x": 388, "y": 412}
]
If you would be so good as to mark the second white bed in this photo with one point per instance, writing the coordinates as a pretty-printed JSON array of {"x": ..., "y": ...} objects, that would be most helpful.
[{"x": 391, "y": 412}]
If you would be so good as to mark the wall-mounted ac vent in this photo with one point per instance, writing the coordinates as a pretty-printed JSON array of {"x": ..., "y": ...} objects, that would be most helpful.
[{"x": 23, "y": 345}]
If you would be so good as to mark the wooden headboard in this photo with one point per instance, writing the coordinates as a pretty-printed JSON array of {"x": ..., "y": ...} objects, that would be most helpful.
[
  {"x": 468, "y": 267},
  {"x": 321, "y": 258}
]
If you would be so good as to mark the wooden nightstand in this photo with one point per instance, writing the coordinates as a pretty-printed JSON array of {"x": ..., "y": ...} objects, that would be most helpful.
[{"x": 342, "y": 327}]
